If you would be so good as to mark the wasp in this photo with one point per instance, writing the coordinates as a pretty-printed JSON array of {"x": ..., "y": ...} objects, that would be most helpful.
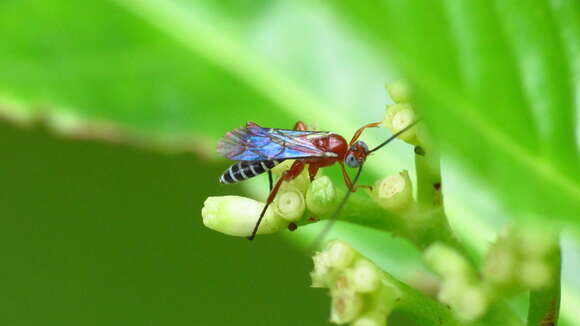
[{"x": 257, "y": 150}]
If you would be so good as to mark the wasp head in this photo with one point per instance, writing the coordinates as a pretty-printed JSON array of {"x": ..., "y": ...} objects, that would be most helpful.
[{"x": 356, "y": 154}]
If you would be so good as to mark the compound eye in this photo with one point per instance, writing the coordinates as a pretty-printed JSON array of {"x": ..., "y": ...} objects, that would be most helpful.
[
  {"x": 363, "y": 145},
  {"x": 351, "y": 161}
]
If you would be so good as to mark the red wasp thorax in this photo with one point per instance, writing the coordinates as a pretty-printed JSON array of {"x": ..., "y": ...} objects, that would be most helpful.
[{"x": 332, "y": 143}]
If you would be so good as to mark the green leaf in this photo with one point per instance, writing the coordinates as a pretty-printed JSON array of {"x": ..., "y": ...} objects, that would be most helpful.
[
  {"x": 495, "y": 84},
  {"x": 99, "y": 62}
]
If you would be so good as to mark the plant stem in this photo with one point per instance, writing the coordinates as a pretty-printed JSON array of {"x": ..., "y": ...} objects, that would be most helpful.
[
  {"x": 544, "y": 306},
  {"x": 428, "y": 178},
  {"x": 423, "y": 309},
  {"x": 430, "y": 201}
]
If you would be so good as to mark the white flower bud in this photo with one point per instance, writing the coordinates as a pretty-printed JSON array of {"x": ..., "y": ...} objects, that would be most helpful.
[
  {"x": 237, "y": 216},
  {"x": 399, "y": 91},
  {"x": 398, "y": 117},
  {"x": 535, "y": 274},
  {"x": 394, "y": 193},
  {"x": 447, "y": 262},
  {"x": 340, "y": 254},
  {"x": 289, "y": 204},
  {"x": 534, "y": 243},
  {"x": 346, "y": 306},
  {"x": 500, "y": 266},
  {"x": 365, "y": 276},
  {"x": 472, "y": 304},
  {"x": 321, "y": 196},
  {"x": 320, "y": 275}
]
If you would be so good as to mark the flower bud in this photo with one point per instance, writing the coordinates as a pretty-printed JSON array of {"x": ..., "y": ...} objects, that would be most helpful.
[
  {"x": 346, "y": 306},
  {"x": 399, "y": 116},
  {"x": 399, "y": 91},
  {"x": 320, "y": 275},
  {"x": 472, "y": 304},
  {"x": 500, "y": 266},
  {"x": 340, "y": 254},
  {"x": 321, "y": 196},
  {"x": 289, "y": 203},
  {"x": 365, "y": 276},
  {"x": 237, "y": 216},
  {"x": 524, "y": 254},
  {"x": 535, "y": 274},
  {"x": 535, "y": 243},
  {"x": 447, "y": 262},
  {"x": 394, "y": 193}
]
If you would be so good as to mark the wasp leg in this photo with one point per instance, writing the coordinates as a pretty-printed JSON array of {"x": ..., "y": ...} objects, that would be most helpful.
[
  {"x": 348, "y": 182},
  {"x": 312, "y": 171},
  {"x": 270, "y": 179},
  {"x": 292, "y": 173}
]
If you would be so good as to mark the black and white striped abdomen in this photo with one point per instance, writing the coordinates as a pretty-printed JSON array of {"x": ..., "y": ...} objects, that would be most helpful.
[{"x": 247, "y": 169}]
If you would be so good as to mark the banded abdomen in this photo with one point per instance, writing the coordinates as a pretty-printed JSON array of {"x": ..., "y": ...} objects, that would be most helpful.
[{"x": 247, "y": 169}]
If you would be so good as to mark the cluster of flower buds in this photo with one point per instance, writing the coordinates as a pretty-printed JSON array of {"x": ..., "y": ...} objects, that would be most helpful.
[
  {"x": 521, "y": 259},
  {"x": 518, "y": 260},
  {"x": 237, "y": 216},
  {"x": 361, "y": 294},
  {"x": 461, "y": 288}
]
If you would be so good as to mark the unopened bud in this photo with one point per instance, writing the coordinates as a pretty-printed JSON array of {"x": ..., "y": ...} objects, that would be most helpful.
[
  {"x": 237, "y": 216},
  {"x": 399, "y": 91},
  {"x": 535, "y": 243},
  {"x": 399, "y": 116},
  {"x": 321, "y": 196},
  {"x": 346, "y": 306},
  {"x": 500, "y": 266},
  {"x": 535, "y": 274},
  {"x": 394, "y": 193},
  {"x": 340, "y": 254},
  {"x": 365, "y": 276},
  {"x": 289, "y": 204},
  {"x": 320, "y": 275},
  {"x": 446, "y": 261},
  {"x": 472, "y": 304}
]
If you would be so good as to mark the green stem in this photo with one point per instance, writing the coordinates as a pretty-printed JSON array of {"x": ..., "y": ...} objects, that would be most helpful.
[
  {"x": 430, "y": 201},
  {"x": 544, "y": 307},
  {"x": 423, "y": 309},
  {"x": 428, "y": 178}
]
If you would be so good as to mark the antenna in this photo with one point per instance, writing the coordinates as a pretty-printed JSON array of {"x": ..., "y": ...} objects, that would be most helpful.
[{"x": 397, "y": 134}]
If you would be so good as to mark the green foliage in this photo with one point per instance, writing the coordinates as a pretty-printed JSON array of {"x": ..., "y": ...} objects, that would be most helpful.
[{"x": 495, "y": 83}]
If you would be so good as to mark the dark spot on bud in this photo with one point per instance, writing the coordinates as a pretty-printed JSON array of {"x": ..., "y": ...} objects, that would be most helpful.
[
  {"x": 419, "y": 150},
  {"x": 437, "y": 186},
  {"x": 292, "y": 226}
]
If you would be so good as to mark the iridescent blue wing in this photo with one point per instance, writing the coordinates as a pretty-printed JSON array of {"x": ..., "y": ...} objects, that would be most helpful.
[{"x": 254, "y": 143}]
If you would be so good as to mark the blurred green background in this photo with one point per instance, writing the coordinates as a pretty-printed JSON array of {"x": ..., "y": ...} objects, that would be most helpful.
[
  {"x": 111, "y": 111},
  {"x": 97, "y": 234}
]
